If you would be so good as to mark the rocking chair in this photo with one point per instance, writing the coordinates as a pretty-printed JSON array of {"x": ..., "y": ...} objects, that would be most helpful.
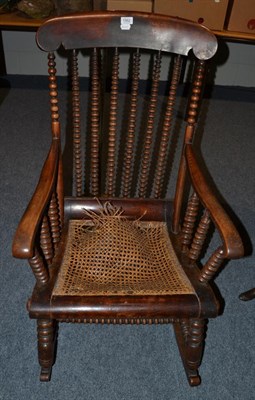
[{"x": 117, "y": 250}]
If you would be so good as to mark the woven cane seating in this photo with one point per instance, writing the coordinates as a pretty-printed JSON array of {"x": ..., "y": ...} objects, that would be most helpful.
[
  {"x": 141, "y": 262},
  {"x": 126, "y": 240}
]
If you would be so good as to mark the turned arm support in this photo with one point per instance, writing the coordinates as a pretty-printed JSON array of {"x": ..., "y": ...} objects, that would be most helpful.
[
  {"x": 232, "y": 243},
  {"x": 23, "y": 243}
]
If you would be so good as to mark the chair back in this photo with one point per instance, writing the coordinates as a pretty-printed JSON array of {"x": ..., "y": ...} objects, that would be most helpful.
[{"x": 122, "y": 147}]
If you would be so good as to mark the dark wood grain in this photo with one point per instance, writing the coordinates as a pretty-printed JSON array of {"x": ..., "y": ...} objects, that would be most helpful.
[
  {"x": 165, "y": 137},
  {"x": 95, "y": 122},
  {"x": 249, "y": 295},
  {"x": 130, "y": 139},
  {"x": 111, "y": 151},
  {"x": 150, "y": 126},
  {"x": 76, "y": 120},
  {"x": 23, "y": 243},
  {"x": 147, "y": 209},
  {"x": 233, "y": 246},
  {"x": 103, "y": 30}
]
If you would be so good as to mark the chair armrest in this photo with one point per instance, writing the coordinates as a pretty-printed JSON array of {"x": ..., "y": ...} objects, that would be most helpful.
[
  {"x": 23, "y": 243},
  {"x": 233, "y": 246}
]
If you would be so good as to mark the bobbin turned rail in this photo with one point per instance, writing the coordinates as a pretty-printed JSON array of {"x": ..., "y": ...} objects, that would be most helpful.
[
  {"x": 194, "y": 232},
  {"x": 38, "y": 233},
  {"x": 190, "y": 337}
]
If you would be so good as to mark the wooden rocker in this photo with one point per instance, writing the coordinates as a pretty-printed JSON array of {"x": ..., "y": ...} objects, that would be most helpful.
[{"x": 119, "y": 250}]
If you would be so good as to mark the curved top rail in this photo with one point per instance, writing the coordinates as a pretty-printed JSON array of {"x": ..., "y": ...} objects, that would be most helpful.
[{"x": 110, "y": 29}]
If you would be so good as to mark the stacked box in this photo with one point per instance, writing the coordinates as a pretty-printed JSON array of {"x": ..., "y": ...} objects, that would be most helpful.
[
  {"x": 130, "y": 5},
  {"x": 99, "y": 5},
  {"x": 210, "y": 13},
  {"x": 242, "y": 17}
]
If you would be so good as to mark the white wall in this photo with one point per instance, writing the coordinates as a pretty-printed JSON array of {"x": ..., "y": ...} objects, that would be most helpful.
[{"x": 237, "y": 60}]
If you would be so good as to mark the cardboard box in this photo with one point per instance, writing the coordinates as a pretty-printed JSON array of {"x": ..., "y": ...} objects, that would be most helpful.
[
  {"x": 99, "y": 5},
  {"x": 242, "y": 16},
  {"x": 210, "y": 13},
  {"x": 130, "y": 5}
]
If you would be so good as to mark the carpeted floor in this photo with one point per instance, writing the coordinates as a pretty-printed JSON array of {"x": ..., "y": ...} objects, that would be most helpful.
[{"x": 127, "y": 362}]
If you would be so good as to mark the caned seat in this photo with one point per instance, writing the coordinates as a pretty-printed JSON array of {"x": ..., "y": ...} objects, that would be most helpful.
[
  {"x": 127, "y": 239},
  {"x": 141, "y": 262}
]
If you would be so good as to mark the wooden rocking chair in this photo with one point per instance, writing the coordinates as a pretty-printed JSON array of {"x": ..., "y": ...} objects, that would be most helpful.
[{"x": 117, "y": 250}]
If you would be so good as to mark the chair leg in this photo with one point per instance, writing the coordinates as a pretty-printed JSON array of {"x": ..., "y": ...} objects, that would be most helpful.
[
  {"x": 46, "y": 333},
  {"x": 249, "y": 295},
  {"x": 190, "y": 335}
]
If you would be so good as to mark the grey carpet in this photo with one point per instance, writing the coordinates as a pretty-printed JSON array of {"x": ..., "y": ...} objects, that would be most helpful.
[{"x": 127, "y": 362}]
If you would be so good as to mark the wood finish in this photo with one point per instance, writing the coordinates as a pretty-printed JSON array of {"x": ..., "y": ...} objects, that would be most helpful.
[
  {"x": 39, "y": 269},
  {"x": 46, "y": 333},
  {"x": 18, "y": 20},
  {"x": 42, "y": 232},
  {"x": 145, "y": 167},
  {"x": 233, "y": 246},
  {"x": 147, "y": 209},
  {"x": 46, "y": 240},
  {"x": 130, "y": 142},
  {"x": 76, "y": 124},
  {"x": 199, "y": 237},
  {"x": 111, "y": 163},
  {"x": 95, "y": 123},
  {"x": 102, "y": 29},
  {"x": 24, "y": 241},
  {"x": 15, "y": 20},
  {"x": 249, "y": 295},
  {"x": 189, "y": 221},
  {"x": 53, "y": 214},
  {"x": 53, "y": 88},
  {"x": 192, "y": 115},
  {"x": 165, "y": 137},
  {"x": 190, "y": 338}
]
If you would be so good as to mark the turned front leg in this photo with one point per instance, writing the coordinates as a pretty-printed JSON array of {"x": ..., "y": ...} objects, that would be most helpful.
[
  {"x": 190, "y": 335},
  {"x": 46, "y": 331},
  {"x": 194, "y": 348}
]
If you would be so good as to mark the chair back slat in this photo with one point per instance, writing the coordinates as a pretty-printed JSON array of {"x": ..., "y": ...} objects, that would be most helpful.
[
  {"x": 130, "y": 140},
  {"x": 53, "y": 88},
  {"x": 196, "y": 92},
  {"x": 76, "y": 122},
  {"x": 165, "y": 136},
  {"x": 192, "y": 115},
  {"x": 95, "y": 123},
  {"x": 111, "y": 156},
  {"x": 152, "y": 110}
]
